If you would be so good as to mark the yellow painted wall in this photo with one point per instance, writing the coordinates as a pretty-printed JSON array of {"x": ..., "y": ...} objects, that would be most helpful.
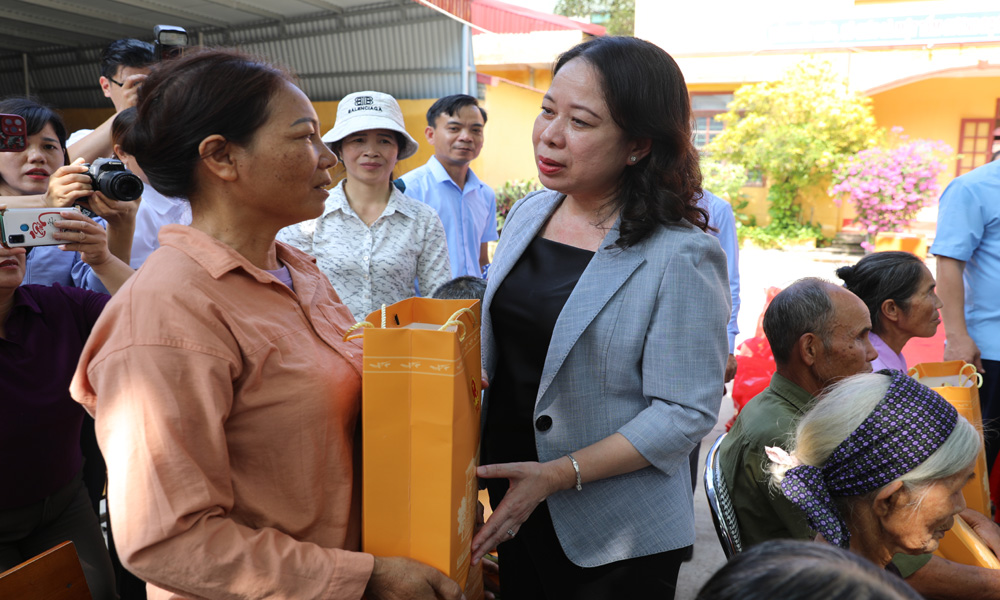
[
  {"x": 818, "y": 208},
  {"x": 85, "y": 118},
  {"x": 757, "y": 207},
  {"x": 507, "y": 153},
  {"x": 543, "y": 77},
  {"x": 934, "y": 109},
  {"x": 716, "y": 88}
]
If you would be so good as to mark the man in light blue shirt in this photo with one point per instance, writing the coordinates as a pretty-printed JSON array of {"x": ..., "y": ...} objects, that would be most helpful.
[
  {"x": 967, "y": 247},
  {"x": 721, "y": 218},
  {"x": 723, "y": 222},
  {"x": 467, "y": 206}
]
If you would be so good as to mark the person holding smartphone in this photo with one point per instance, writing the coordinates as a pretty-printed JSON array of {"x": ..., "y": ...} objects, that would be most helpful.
[
  {"x": 43, "y": 500},
  {"x": 42, "y": 170}
]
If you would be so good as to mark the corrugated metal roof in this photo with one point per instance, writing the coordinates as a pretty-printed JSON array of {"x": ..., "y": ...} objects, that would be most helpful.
[
  {"x": 29, "y": 25},
  {"x": 405, "y": 49},
  {"x": 500, "y": 17}
]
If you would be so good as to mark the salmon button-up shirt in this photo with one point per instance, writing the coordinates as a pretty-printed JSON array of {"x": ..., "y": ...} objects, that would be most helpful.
[{"x": 226, "y": 408}]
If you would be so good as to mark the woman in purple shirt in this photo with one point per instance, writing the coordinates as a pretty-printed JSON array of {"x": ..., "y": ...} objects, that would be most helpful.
[
  {"x": 43, "y": 501},
  {"x": 899, "y": 291}
]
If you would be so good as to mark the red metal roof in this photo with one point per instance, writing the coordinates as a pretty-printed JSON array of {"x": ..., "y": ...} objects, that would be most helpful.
[{"x": 500, "y": 17}]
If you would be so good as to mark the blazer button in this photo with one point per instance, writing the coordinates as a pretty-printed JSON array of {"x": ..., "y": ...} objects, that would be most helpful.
[{"x": 544, "y": 423}]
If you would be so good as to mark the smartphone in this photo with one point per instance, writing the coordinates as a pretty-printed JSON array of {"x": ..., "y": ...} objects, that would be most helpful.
[
  {"x": 13, "y": 133},
  {"x": 24, "y": 227}
]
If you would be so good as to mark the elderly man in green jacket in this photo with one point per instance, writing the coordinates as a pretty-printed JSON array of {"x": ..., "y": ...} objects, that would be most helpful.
[{"x": 818, "y": 334}]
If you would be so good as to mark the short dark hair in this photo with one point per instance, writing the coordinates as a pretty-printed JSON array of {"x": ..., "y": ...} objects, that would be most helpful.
[
  {"x": 882, "y": 276},
  {"x": 465, "y": 287},
  {"x": 801, "y": 570},
  {"x": 36, "y": 117},
  {"x": 449, "y": 105},
  {"x": 801, "y": 308},
  {"x": 646, "y": 95},
  {"x": 128, "y": 52},
  {"x": 187, "y": 99}
]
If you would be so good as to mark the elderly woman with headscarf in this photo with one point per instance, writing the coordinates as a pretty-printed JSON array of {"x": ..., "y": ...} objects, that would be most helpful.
[{"x": 878, "y": 466}]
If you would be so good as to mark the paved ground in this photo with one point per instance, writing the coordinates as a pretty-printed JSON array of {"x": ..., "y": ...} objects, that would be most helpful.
[{"x": 759, "y": 269}]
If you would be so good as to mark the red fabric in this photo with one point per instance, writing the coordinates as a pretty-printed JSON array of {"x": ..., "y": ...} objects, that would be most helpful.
[
  {"x": 755, "y": 363},
  {"x": 922, "y": 350}
]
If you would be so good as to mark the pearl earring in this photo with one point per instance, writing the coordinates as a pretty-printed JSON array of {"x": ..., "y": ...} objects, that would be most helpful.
[{"x": 633, "y": 159}]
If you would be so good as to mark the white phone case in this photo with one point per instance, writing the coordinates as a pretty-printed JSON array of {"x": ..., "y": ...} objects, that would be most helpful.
[{"x": 23, "y": 227}]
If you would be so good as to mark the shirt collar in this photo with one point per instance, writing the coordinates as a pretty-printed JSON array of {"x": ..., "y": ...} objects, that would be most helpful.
[
  {"x": 442, "y": 176},
  {"x": 160, "y": 204},
  {"x": 791, "y": 393},
  {"x": 398, "y": 202},
  {"x": 218, "y": 259},
  {"x": 22, "y": 298}
]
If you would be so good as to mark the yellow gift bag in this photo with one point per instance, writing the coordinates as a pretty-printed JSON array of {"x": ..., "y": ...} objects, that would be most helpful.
[
  {"x": 958, "y": 383},
  {"x": 420, "y": 433}
]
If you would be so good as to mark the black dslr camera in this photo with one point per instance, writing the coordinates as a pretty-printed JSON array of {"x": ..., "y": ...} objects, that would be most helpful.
[{"x": 110, "y": 177}]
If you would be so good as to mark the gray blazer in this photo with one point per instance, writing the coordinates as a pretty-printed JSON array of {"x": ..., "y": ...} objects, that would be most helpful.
[{"x": 639, "y": 348}]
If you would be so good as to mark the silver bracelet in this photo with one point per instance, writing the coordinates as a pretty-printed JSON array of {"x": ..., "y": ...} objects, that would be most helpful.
[{"x": 576, "y": 467}]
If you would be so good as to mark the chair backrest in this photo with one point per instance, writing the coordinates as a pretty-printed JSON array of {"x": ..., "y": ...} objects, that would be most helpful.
[
  {"x": 723, "y": 515},
  {"x": 52, "y": 575}
]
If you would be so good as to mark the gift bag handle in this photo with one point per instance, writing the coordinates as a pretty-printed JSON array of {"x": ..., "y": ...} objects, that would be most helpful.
[
  {"x": 454, "y": 320},
  {"x": 463, "y": 311},
  {"x": 978, "y": 375},
  {"x": 362, "y": 326},
  {"x": 912, "y": 372}
]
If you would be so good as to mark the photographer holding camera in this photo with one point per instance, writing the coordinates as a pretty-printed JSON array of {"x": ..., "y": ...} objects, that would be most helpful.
[
  {"x": 41, "y": 170},
  {"x": 124, "y": 66}
]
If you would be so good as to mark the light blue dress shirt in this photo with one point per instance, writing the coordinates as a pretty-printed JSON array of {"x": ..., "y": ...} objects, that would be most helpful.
[
  {"x": 720, "y": 216},
  {"x": 968, "y": 229},
  {"x": 469, "y": 215}
]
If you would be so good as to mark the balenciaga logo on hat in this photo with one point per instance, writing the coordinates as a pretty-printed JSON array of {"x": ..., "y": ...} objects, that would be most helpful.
[{"x": 364, "y": 103}]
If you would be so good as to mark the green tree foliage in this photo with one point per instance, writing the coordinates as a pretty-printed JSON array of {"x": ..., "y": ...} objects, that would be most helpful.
[
  {"x": 726, "y": 180},
  {"x": 509, "y": 193},
  {"x": 796, "y": 130},
  {"x": 620, "y": 13}
]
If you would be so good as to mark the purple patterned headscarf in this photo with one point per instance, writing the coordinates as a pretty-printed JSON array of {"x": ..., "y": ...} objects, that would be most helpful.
[{"x": 903, "y": 430}]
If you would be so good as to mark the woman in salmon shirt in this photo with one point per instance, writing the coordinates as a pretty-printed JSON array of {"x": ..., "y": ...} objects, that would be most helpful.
[{"x": 225, "y": 397}]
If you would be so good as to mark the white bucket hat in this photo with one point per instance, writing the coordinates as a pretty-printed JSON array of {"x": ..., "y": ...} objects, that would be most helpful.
[{"x": 362, "y": 111}]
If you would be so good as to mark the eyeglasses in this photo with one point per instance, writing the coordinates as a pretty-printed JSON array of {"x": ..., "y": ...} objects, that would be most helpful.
[{"x": 118, "y": 83}]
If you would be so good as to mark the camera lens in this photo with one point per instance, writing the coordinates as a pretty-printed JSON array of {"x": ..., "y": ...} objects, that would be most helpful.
[
  {"x": 16, "y": 238},
  {"x": 121, "y": 185}
]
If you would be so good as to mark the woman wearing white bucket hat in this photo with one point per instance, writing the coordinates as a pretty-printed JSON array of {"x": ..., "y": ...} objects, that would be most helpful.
[{"x": 372, "y": 241}]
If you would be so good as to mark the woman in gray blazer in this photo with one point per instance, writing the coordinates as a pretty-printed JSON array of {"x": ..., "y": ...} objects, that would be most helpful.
[{"x": 604, "y": 337}]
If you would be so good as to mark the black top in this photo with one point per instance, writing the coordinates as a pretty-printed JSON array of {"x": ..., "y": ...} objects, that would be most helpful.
[{"x": 524, "y": 312}]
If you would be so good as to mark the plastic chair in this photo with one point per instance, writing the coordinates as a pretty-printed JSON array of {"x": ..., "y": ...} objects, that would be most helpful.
[
  {"x": 723, "y": 515},
  {"x": 55, "y": 574}
]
